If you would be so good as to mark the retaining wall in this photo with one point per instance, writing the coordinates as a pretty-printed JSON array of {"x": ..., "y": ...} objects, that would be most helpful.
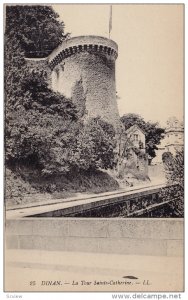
[{"x": 160, "y": 237}]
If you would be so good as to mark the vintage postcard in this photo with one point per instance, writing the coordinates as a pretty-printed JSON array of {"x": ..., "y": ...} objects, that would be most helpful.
[{"x": 94, "y": 147}]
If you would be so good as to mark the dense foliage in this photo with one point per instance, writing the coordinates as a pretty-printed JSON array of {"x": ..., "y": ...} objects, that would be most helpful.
[
  {"x": 154, "y": 133},
  {"x": 174, "y": 168},
  {"x": 44, "y": 129},
  {"x": 95, "y": 145},
  {"x": 167, "y": 159},
  {"x": 35, "y": 27}
]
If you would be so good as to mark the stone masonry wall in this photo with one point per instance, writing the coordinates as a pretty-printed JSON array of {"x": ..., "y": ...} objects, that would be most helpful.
[
  {"x": 98, "y": 79},
  {"x": 162, "y": 237},
  {"x": 92, "y": 60}
]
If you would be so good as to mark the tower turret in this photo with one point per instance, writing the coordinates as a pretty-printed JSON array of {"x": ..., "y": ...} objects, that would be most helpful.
[{"x": 92, "y": 60}]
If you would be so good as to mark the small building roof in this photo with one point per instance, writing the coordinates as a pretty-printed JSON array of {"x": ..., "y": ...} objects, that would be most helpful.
[{"x": 133, "y": 128}]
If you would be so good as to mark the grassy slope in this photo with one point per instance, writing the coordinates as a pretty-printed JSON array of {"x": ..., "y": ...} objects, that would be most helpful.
[{"x": 29, "y": 186}]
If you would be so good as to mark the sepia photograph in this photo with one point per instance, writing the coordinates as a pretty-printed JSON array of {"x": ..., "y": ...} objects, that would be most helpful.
[{"x": 94, "y": 147}]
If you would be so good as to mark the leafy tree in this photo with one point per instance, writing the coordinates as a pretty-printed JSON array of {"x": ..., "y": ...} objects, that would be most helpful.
[
  {"x": 167, "y": 159},
  {"x": 32, "y": 109},
  {"x": 154, "y": 133},
  {"x": 174, "y": 168},
  {"x": 15, "y": 72},
  {"x": 130, "y": 119},
  {"x": 35, "y": 27},
  {"x": 124, "y": 144},
  {"x": 47, "y": 126},
  {"x": 95, "y": 146}
]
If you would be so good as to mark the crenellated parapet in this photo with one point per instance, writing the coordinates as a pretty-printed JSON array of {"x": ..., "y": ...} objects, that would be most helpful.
[{"x": 91, "y": 44}]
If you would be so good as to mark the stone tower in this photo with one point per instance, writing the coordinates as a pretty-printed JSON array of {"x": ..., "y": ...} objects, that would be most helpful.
[{"x": 92, "y": 60}]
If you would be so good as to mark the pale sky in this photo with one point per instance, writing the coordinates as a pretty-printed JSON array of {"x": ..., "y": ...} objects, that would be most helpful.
[{"x": 149, "y": 67}]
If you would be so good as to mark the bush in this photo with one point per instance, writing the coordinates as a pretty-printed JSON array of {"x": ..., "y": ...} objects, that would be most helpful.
[
  {"x": 95, "y": 146},
  {"x": 174, "y": 168},
  {"x": 26, "y": 185}
]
